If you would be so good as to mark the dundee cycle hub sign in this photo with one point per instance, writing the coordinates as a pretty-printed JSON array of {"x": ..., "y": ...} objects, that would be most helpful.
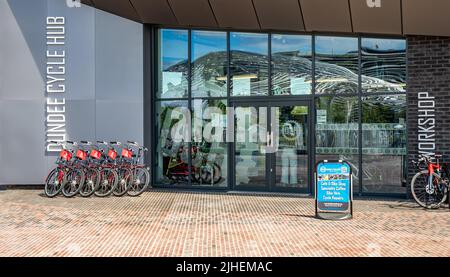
[{"x": 334, "y": 190}]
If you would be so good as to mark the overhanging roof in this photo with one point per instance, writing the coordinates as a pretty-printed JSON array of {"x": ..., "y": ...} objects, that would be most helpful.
[{"x": 396, "y": 17}]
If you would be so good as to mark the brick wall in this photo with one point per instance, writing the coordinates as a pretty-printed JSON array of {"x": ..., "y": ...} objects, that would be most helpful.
[{"x": 429, "y": 71}]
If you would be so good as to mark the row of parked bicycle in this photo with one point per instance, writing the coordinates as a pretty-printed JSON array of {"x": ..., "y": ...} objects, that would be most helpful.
[{"x": 88, "y": 169}]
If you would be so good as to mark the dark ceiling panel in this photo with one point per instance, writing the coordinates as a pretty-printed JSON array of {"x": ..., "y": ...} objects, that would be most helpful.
[
  {"x": 238, "y": 14},
  {"x": 121, "y": 8},
  {"x": 326, "y": 15},
  {"x": 87, "y": 2},
  {"x": 386, "y": 19},
  {"x": 155, "y": 11},
  {"x": 279, "y": 15},
  {"x": 193, "y": 13},
  {"x": 430, "y": 17}
]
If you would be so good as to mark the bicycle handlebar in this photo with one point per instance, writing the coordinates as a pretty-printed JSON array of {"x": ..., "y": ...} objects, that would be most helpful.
[{"x": 133, "y": 143}]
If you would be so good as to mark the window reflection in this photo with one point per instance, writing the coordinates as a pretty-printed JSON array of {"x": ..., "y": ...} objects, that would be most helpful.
[
  {"x": 209, "y": 64},
  {"x": 291, "y": 65},
  {"x": 173, "y": 64},
  {"x": 337, "y": 131},
  {"x": 336, "y": 65},
  {"x": 384, "y": 143},
  {"x": 249, "y": 64},
  {"x": 383, "y": 65},
  {"x": 337, "y": 123},
  {"x": 209, "y": 148},
  {"x": 172, "y": 164}
]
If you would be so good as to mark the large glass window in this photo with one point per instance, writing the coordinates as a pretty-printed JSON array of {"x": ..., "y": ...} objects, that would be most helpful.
[
  {"x": 336, "y": 65},
  {"x": 337, "y": 131},
  {"x": 384, "y": 143},
  {"x": 172, "y": 64},
  {"x": 209, "y": 151},
  {"x": 249, "y": 64},
  {"x": 238, "y": 63},
  {"x": 209, "y": 64},
  {"x": 383, "y": 65},
  {"x": 291, "y": 64},
  {"x": 172, "y": 151}
]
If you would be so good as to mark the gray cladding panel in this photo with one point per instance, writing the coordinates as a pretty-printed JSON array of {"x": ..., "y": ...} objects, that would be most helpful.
[
  {"x": 108, "y": 67},
  {"x": 22, "y": 49},
  {"x": 119, "y": 58},
  {"x": 80, "y": 49},
  {"x": 124, "y": 123},
  {"x": 80, "y": 121},
  {"x": 22, "y": 142}
]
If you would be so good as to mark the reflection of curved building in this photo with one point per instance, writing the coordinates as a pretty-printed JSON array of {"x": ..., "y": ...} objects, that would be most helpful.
[{"x": 334, "y": 74}]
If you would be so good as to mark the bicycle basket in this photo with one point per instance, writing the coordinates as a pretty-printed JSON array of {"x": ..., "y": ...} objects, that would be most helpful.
[
  {"x": 96, "y": 154},
  {"x": 127, "y": 153},
  {"x": 81, "y": 155},
  {"x": 65, "y": 155},
  {"x": 112, "y": 154}
]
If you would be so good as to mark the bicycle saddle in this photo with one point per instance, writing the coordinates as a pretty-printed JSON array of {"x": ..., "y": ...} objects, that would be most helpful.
[{"x": 133, "y": 143}]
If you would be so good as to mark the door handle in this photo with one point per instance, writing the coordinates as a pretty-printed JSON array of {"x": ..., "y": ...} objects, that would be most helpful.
[{"x": 269, "y": 139}]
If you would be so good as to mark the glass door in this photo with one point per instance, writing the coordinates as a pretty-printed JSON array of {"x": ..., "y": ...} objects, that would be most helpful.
[
  {"x": 290, "y": 158},
  {"x": 271, "y": 147},
  {"x": 250, "y": 143}
]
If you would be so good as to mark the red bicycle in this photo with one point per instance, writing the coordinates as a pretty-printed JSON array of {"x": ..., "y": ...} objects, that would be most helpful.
[
  {"x": 132, "y": 159},
  {"x": 58, "y": 177},
  {"x": 430, "y": 185}
]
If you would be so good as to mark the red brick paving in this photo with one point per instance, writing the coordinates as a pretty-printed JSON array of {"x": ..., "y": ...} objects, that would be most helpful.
[{"x": 168, "y": 223}]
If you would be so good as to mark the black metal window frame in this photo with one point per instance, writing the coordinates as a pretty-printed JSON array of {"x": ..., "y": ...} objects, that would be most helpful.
[{"x": 151, "y": 44}]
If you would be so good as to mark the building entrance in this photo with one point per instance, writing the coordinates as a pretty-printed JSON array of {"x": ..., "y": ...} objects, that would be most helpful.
[{"x": 272, "y": 146}]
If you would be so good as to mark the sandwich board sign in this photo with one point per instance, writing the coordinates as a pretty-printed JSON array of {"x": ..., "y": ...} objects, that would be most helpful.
[{"x": 334, "y": 191}]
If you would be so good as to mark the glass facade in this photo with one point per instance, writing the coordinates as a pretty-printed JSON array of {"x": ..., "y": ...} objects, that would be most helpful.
[
  {"x": 173, "y": 64},
  {"x": 383, "y": 65},
  {"x": 337, "y": 131},
  {"x": 384, "y": 143},
  {"x": 291, "y": 65},
  {"x": 336, "y": 65},
  {"x": 249, "y": 64},
  {"x": 356, "y": 87},
  {"x": 209, "y": 64}
]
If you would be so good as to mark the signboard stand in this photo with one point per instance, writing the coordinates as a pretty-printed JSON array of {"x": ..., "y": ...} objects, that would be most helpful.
[{"x": 334, "y": 190}]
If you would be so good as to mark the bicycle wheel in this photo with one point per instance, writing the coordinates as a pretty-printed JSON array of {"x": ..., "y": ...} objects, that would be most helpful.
[
  {"x": 91, "y": 182},
  {"x": 54, "y": 182},
  {"x": 125, "y": 177},
  {"x": 75, "y": 179},
  {"x": 217, "y": 173},
  {"x": 108, "y": 182},
  {"x": 140, "y": 181},
  {"x": 426, "y": 196}
]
